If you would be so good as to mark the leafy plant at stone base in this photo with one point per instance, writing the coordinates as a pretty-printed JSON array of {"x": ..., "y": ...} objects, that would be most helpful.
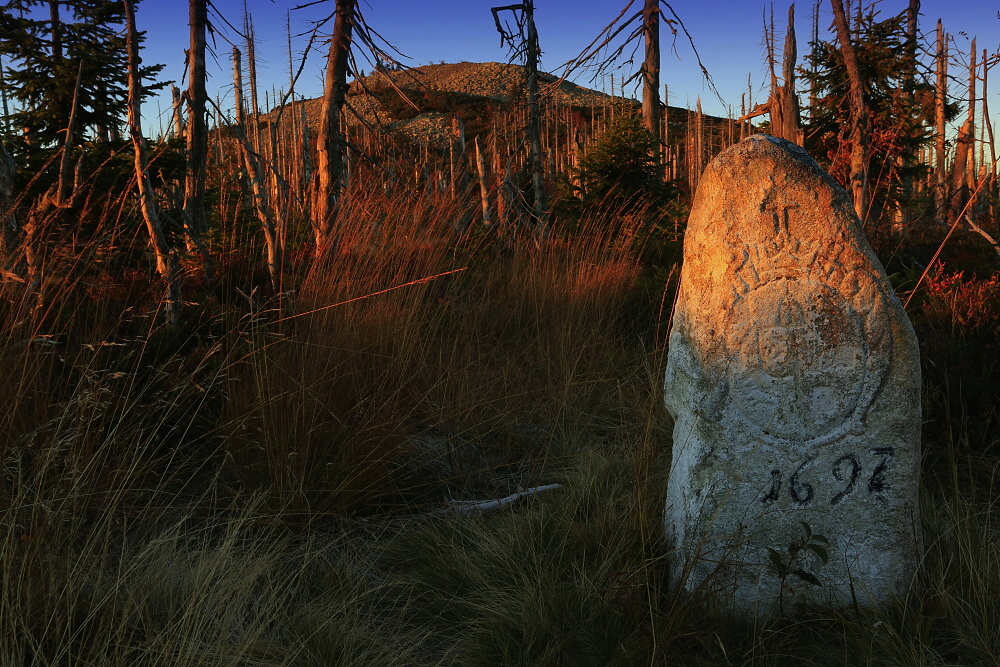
[
  {"x": 901, "y": 109},
  {"x": 44, "y": 53},
  {"x": 791, "y": 564}
]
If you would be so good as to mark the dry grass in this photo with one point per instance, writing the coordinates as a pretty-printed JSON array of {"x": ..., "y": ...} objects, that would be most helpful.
[{"x": 267, "y": 484}]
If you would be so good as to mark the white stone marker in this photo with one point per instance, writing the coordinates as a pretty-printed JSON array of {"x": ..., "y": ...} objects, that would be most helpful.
[{"x": 793, "y": 378}]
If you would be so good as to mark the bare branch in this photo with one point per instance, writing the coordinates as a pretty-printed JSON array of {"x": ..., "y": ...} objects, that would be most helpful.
[{"x": 704, "y": 70}]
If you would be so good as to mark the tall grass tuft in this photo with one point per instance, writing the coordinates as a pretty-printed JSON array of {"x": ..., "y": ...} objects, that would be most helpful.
[{"x": 273, "y": 481}]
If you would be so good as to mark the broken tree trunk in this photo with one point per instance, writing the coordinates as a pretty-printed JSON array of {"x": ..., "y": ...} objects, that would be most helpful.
[
  {"x": 960, "y": 171},
  {"x": 166, "y": 265},
  {"x": 940, "y": 111},
  {"x": 196, "y": 137},
  {"x": 257, "y": 185},
  {"x": 534, "y": 121},
  {"x": 782, "y": 104},
  {"x": 178, "y": 117},
  {"x": 484, "y": 188},
  {"x": 251, "y": 39},
  {"x": 651, "y": 74},
  {"x": 331, "y": 148},
  {"x": 859, "y": 113},
  {"x": 785, "y": 113}
]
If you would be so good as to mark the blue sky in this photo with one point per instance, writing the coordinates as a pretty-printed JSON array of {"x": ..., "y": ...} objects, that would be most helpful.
[{"x": 727, "y": 33}]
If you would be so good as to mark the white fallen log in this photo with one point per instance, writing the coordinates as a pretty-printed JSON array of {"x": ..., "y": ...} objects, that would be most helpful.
[
  {"x": 482, "y": 506},
  {"x": 982, "y": 232}
]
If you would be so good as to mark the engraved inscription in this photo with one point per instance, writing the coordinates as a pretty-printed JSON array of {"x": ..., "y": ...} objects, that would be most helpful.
[
  {"x": 846, "y": 470},
  {"x": 800, "y": 491},
  {"x": 772, "y": 494},
  {"x": 877, "y": 482},
  {"x": 808, "y": 351},
  {"x": 794, "y": 375},
  {"x": 852, "y": 477}
]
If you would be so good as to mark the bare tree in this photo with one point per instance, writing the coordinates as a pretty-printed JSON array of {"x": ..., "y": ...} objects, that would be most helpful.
[
  {"x": 526, "y": 43},
  {"x": 197, "y": 134},
  {"x": 961, "y": 173},
  {"x": 651, "y": 74},
  {"x": 606, "y": 52},
  {"x": 257, "y": 185},
  {"x": 166, "y": 265},
  {"x": 177, "y": 117},
  {"x": 786, "y": 114},
  {"x": 940, "y": 115},
  {"x": 484, "y": 189},
  {"x": 859, "y": 113},
  {"x": 783, "y": 104},
  {"x": 331, "y": 148}
]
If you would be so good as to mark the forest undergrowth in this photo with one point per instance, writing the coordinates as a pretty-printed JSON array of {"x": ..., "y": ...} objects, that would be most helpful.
[{"x": 276, "y": 480}]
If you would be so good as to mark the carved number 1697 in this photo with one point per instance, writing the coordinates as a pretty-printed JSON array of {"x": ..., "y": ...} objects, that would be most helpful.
[{"x": 846, "y": 470}]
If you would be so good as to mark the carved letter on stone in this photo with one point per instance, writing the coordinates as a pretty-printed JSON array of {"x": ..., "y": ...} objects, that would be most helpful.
[{"x": 793, "y": 378}]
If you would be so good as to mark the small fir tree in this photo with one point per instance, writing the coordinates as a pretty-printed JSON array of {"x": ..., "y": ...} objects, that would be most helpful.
[
  {"x": 901, "y": 107},
  {"x": 621, "y": 163},
  {"x": 47, "y": 45}
]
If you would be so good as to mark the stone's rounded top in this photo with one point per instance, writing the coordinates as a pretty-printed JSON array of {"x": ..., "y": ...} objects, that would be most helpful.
[
  {"x": 764, "y": 190},
  {"x": 762, "y": 156},
  {"x": 758, "y": 146},
  {"x": 784, "y": 143},
  {"x": 783, "y": 303},
  {"x": 765, "y": 142}
]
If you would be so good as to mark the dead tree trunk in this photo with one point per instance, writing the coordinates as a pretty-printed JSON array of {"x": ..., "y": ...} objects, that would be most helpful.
[
  {"x": 782, "y": 104},
  {"x": 529, "y": 47},
  {"x": 651, "y": 74},
  {"x": 257, "y": 185},
  {"x": 8, "y": 217},
  {"x": 331, "y": 148},
  {"x": 65, "y": 188},
  {"x": 906, "y": 162},
  {"x": 960, "y": 171},
  {"x": 166, "y": 265},
  {"x": 484, "y": 187},
  {"x": 197, "y": 135},
  {"x": 940, "y": 110},
  {"x": 859, "y": 113},
  {"x": 3, "y": 101},
  {"x": 252, "y": 74},
  {"x": 785, "y": 114},
  {"x": 178, "y": 117},
  {"x": 986, "y": 117},
  {"x": 534, "y": 120}
]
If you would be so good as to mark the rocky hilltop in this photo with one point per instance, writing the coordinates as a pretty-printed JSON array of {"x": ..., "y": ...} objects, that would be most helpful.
[
  {"x": 473, "y": 92},
  {"x": 498, "y": 81},
  {"x": 434, "y": 93}
]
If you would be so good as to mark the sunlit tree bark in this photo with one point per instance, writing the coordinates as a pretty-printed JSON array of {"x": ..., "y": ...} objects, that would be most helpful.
[
  {"x": 331, "y": 145},
  {"x": 859, "y": 113},
  {"x": 166, "y": 265}
]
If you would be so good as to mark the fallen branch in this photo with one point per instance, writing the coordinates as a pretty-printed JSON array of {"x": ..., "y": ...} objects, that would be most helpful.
[
  {"x": 982, "y": 232},
  {"x": 760, "y": 110},
  {"x": 482, "y": 506}
]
